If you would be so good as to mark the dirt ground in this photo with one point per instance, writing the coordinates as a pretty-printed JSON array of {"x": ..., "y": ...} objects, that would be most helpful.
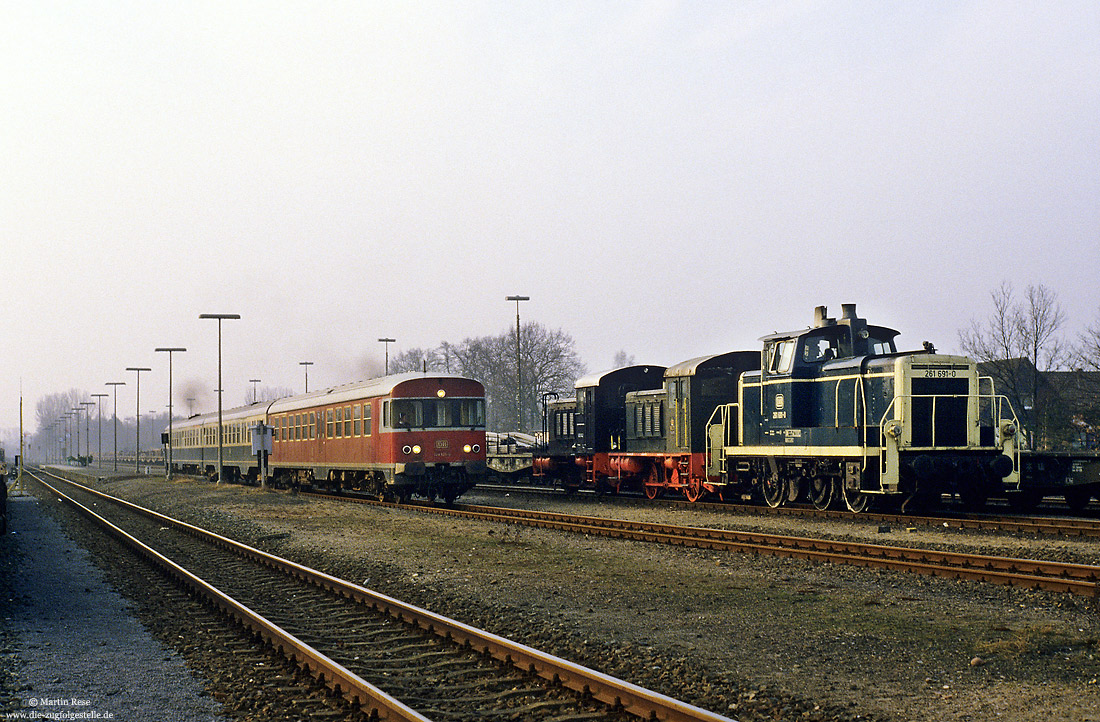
[{"x": 753, "y": 638}]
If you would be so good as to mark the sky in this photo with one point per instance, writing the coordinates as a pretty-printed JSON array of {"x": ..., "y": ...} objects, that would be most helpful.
[{"x": 669, "y": 179}]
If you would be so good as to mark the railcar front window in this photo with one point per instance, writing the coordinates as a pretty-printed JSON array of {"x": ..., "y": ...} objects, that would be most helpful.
[{"x": 438, "y": 413}]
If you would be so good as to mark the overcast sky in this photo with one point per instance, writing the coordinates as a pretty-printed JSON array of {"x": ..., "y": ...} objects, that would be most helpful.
[{"x": 667, "y": 178}]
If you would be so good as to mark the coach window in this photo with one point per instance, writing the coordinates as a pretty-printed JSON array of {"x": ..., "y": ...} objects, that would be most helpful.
[
  {"x": 366, "y": 419},
  {"x": 312, "y": 425},
  {"x": 356, "y": 411},
  {"x": 339, "y": 423},
  {"x": 328, "y": 423},
  {"x": 347, "y": 421}
]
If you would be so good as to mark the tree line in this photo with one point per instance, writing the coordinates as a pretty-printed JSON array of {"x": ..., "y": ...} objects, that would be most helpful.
[
  {"x": 547, "y": 365},
  {"x": 1051, "y": 380}
]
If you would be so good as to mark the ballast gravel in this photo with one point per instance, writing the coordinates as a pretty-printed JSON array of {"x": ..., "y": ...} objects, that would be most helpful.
[{"x": 752, "y": 638}]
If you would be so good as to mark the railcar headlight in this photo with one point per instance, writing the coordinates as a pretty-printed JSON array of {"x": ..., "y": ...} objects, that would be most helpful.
[
  {"x": 416, "y": 448},
  {"x": 477, "y": 448},
  {"x": 407, "y": 449},
  {"x": 467, "y": 448}
]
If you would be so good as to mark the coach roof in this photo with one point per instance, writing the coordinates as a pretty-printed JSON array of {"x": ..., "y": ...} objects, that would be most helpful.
[{"x": 381, "y": 386}]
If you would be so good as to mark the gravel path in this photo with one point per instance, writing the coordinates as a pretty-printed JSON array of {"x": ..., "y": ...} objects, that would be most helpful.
[{"x": 70, "y": 642}]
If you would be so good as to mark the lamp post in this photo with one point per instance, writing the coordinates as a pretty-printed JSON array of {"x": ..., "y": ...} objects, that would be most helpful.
[
  {"x": 65, "y": 454},
  {"x": 169, "y": 350},
  {"x": 387, "y": 342},
  {"x": 76, "y": 424},
  {"x": 99, "y": 405},
  {"x": 87, "y": 429},
  {"x": 306, "y": 365},
  {"x": 219, "y": 317},
  {"x": 519, "y": 367},
  {"x": 116, "y": 384},
  {"x": 137, "y": 421}
]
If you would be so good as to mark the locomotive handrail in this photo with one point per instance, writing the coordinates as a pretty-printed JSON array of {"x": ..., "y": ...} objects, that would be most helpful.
[
  {"x": 725, "y": 410},
  {"x": 996, "y": 401}
]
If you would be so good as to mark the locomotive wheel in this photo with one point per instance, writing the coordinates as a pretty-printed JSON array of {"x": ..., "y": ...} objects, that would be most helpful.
[
  {"x": 653, "y": 486},
  {"x": 855, "y": 500},
  {"x": 693, "y": 490},
  {"x": 822, "y": 490},
  {"x": 774, "y": 490}
]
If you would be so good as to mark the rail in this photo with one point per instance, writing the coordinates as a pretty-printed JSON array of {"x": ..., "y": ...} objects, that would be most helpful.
[{"x": 616, "y": 693}]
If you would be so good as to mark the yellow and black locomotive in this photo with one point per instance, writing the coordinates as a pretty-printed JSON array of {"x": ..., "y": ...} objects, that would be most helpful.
[{"x": 836, "y": 412}]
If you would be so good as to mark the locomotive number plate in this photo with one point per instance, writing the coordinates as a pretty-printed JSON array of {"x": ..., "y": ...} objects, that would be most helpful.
[{"x": 939, "y": 373}]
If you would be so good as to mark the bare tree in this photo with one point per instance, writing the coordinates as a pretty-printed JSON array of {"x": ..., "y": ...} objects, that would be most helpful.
[
  {"x": 1017, "y": 343},
  {"x": 550, "y": 364},
  {"x": 417, "y": 359},
  {"x": 622, "y": 358},
  {"x": 1086, "y": 354},
  {"x": 1086, "y": 377},
  {"x": 267, "y": 393}
]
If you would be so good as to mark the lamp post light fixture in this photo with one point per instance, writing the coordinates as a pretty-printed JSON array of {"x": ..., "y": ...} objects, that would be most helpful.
[
  {"x": 99, "y": 405},
  {"x": 116, "y": 384},
  {"x": 255, "y": 396},
  {"x": 137, "y": 440},
  {"x": 387, "y": 342},
  {"x": 519, "y": 366},
  {"x": 306, "y": 365},
  {"x": 169, "y": 350},
  {"x": 219, "y": 317}
]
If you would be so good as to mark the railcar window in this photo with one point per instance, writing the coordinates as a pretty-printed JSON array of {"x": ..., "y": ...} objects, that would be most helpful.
[
  {"x": 366, "y": 420},
  {"x": 312, "y": 424},
  {"x": 347, "y": 421},
  {"x": 339, "y": 423},
  {"x": 328, "y": 423},
  {"x": 434, "y": 413},
  {"x": 407, "y": 413},
  {"x": 356, "y": 411}
]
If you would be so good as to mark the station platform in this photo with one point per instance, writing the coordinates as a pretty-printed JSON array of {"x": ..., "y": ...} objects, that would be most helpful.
[{"x": 70, "y": 648}]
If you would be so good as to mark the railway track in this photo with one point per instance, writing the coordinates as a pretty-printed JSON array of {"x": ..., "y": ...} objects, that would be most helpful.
[
  {"x": 392, "y": 660},
  {"x": 1080, "y": 579},
  {"x": 1068, "y": 527}
]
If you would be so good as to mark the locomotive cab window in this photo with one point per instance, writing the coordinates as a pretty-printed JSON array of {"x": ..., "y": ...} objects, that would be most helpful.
[
  {"x": 818, "y": 349},
  {"x": 781, "y": 356}
]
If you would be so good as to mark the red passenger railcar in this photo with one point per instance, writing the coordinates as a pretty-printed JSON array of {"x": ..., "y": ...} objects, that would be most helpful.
[{"x": 394, "y": 436}]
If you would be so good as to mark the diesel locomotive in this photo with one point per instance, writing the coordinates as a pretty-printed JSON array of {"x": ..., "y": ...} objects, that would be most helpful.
[
  {"x": 833, "y": 414},
  {"x": 391, "y": 437}
]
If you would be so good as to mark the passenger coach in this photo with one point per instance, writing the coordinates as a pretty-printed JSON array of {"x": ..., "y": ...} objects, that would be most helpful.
[{"x": 393, "y": 436}]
